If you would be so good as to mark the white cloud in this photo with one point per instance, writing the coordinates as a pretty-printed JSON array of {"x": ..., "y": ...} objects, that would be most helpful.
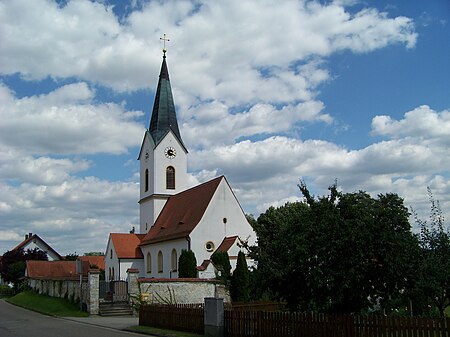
[{"x": 66, "y": 121}]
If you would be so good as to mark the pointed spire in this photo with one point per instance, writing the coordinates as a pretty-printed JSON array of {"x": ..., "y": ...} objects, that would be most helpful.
[{"x": 164, "y": 117}]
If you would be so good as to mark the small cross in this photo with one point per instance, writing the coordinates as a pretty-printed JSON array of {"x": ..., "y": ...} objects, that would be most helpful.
[{"x": 164, "y": 39}]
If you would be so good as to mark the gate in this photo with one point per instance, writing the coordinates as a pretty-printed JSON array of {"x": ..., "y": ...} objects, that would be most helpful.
[{"x": 113, "y": 291}]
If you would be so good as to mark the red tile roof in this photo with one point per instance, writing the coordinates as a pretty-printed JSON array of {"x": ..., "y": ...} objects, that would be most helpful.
[
  {"x": 36, "y": 237},
  {"x": 127, "y": 245},
  {"x": 94, "y": 260},
  {"x": 182, "y": 213},
  {"x": 226, "y": 244},
  {"x": 54, "y": 269}
]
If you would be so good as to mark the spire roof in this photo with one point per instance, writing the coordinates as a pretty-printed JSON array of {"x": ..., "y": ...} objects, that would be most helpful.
[{"x": 164, "y": 117}]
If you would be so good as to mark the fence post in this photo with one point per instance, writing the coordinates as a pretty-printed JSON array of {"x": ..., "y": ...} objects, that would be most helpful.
[
  {"x": 93, "y": 292},
  {"x": 214, "y": 317}
]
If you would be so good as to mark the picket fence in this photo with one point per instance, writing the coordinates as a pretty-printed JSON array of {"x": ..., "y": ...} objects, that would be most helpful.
[{"x": 252, "y": 323}]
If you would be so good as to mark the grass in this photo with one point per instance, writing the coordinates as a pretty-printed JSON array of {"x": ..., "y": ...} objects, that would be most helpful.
[
  {"x": 47, "y": 305},
  {"x": 160, "y": 332}
]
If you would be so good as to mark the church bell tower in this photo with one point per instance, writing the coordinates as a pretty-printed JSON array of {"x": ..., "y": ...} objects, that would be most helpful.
[{"x": 163, "y": 156}]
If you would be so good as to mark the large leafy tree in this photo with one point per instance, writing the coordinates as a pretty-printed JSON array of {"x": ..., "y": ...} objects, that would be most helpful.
[
  {"x": 433, "y": 282},
  {"x": 336, "y": 253},
  {"x": 12, "y": 267}
]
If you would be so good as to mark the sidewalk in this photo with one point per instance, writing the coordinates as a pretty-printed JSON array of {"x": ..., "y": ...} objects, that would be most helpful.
[{"x": 113, "y": 322}]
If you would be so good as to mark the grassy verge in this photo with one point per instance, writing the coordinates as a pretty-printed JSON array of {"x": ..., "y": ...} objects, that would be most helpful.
[
  {"x": 160, "y": 332},
  {"x": 47, "y": 305}
]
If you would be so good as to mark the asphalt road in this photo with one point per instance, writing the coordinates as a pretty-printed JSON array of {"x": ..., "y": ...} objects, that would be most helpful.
[{"x": 19, "y": 322}]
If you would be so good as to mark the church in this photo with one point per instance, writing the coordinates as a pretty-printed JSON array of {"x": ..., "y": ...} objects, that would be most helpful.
[{"x": 205, "y": 218}]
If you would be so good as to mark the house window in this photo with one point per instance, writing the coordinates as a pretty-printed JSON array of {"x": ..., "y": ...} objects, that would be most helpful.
[
  {"x": 170, "y": 178},
  {"x": 149, "y": 262},
  {"x": 146, "y": 180},
  {"x": 174, "y": 260},
  {"x": 160, "y": 262}
]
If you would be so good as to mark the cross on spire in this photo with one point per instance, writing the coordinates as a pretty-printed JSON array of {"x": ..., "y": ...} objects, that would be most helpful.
[{"x": 164, "y": 39}]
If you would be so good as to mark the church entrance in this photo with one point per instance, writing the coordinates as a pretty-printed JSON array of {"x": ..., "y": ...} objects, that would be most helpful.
[{"x": 113, "y": 291}]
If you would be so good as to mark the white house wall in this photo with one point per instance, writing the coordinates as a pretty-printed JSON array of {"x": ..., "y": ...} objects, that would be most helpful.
[
  {"x": 111, "y": 260},
  {"x": 212, "y": 228},
  {"x": 166, "y": 249},
  {"x": 36, "y": 243}
]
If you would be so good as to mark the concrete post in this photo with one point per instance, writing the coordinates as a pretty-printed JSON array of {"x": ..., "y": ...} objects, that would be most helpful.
[
  {"x": 214, "y": 317},
  {"x": 93, "y": 292},
  {"x": 133, "y": 287}
]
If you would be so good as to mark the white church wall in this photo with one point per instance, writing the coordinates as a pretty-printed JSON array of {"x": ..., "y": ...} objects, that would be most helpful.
[
  {"x": 125, "y": 264},
  {"x": 166, "y": 250}
]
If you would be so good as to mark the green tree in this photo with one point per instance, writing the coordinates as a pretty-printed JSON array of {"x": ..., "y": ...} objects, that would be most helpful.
[
  {"x": 71, "y": 257},
  {"x": 221, "y": 261},
  {"x": 240, "y": 281},
  {"x": 187, "y": 264},
  {"x": 434, "y": 271},
  {"x": 12, "y": 267},
  {"x": 336, "y": 253}
]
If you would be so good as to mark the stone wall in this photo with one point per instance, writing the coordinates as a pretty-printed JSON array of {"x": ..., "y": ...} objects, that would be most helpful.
[
  {"x": 70, "y": 289},
  {"x": 181, "y": 291}
]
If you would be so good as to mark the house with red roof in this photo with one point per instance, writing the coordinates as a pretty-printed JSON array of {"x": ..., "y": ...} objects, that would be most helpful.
[
  {"x": 203, "y": 218},
  {"x": 33, "y": 241}
]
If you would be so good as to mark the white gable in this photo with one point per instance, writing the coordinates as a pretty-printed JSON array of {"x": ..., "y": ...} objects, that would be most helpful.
[{"x": 223, "y": 218}]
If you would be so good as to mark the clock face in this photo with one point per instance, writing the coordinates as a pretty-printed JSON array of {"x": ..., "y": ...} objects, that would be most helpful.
[{"x": 170, "y": 152}]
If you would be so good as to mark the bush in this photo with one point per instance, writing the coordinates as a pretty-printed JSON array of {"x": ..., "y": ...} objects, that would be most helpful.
[
  {"x": 6, "y": 291},
  {"x": 240, "y": 281},
  {"x": 221, "y": 261}
]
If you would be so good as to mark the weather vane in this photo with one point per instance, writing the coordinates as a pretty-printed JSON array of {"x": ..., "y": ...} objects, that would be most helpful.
[{"x": 164, "y": 39}]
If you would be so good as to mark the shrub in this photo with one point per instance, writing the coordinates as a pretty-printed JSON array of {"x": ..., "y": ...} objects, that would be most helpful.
[{"x": 187, "y": 264}]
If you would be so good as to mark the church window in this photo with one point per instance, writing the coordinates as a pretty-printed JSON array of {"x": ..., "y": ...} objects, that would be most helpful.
[
  {"x": 170, "y": 178},
  {"x": 160, "y": 262},
  {"x": 111, "y": 254},
  {"x": 174, "y": 260},
  {"x": 209, "y": 246},
  {"x": 112, "y": 274},
  {"x": 149, "y": 262},
  {"x": 146, "y": 180}
]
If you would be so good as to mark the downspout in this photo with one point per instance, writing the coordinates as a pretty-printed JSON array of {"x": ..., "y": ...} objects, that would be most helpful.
[{"x": 188, "y": 239}]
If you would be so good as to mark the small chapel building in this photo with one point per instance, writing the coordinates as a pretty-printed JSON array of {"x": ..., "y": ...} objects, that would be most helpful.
[{"x": 204, "y": 218}]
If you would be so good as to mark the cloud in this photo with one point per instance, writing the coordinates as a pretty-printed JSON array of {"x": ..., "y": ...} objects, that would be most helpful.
[
  {"x": 66, "y": 121},
  {"x": 77, "y": 209},
  {"x": 421, "y": 123},
  {"x": 41, "y": 39}
]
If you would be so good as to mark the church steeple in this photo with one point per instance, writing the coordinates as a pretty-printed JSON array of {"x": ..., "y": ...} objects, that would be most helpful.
[{"x": 164, "y": 117}]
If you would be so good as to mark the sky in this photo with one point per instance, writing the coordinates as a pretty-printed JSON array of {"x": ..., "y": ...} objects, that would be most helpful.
[{"x": 267, "y": 93}]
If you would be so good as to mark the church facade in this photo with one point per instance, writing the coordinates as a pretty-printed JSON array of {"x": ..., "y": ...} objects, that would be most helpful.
[{"x": 203, "y": 218}]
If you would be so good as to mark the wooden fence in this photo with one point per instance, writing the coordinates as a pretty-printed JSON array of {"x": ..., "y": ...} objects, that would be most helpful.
[
  {"x": 281, "y": 324},
  {"x": 181, "y": 317},
  {"x": 248, "y": 323}
]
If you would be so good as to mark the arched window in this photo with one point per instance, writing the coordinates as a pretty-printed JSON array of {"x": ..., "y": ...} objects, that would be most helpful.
[
  {"x": 174, "y": 260},
  {"x": 111, "y": 254},
  {"x": 112, "y": 274},
  {"x": 149, "y": 262},
  {"x": 170, "y": 178},
  {"x": 146, "y": 180},
  {"x": 109, "y": 274},
  {"x": 160, "y": 262}
]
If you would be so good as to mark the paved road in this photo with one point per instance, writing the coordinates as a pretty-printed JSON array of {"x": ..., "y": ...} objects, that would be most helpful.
[{"x": 19, "y": 322}]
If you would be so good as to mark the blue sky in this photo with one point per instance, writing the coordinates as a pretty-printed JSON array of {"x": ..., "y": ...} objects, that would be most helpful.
[{"x": 267, "y": 93}]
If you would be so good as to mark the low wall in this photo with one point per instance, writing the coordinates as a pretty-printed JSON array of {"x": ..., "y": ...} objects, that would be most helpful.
[
  {"x": 68, "y": 289},
  {"x": 181, "y": 291}
]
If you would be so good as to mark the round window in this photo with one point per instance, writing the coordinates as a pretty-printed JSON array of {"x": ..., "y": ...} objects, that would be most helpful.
[{"x": 209, "y": 246}]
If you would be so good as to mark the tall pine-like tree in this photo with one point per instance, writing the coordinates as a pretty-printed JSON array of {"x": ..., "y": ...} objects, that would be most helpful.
[
  {"x": 187, "y": 264},
  {"x": 240, "y": 281}
]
